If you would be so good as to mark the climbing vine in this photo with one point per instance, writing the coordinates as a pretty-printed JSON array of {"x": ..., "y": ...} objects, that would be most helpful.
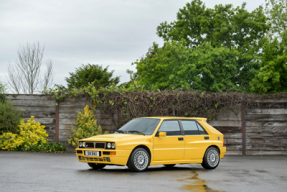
[{"x": 123, "y": 104}]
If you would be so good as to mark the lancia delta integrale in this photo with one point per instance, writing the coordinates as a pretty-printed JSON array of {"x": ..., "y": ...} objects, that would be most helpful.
[{"x": 155, "y": 141}]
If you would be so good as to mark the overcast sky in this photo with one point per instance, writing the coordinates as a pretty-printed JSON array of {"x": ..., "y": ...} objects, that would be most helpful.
[{"x": 111, "y": 32}]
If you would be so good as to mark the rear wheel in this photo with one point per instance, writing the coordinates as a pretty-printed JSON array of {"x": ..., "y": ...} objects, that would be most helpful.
[
  {"x": 139, "y": 160},
  {"x": 211, "y": 158},
  {"x": 96, "y": 165}
]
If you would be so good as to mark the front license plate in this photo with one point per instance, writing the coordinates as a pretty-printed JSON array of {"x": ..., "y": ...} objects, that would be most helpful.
[{"x": 92, "y": 153}]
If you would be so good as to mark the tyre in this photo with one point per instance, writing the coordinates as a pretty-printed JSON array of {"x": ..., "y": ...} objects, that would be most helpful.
[
  {"x": 139, "y": 160},
  {"x": 211, "y": 158},
  {"x": 96, "y": 165},
  {"x": 169, "y": 165}
]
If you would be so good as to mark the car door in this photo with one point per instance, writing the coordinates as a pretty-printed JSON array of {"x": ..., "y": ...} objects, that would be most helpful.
[
  {"x": 196, "y": 139},
  {"x": 170, "y": 147}
]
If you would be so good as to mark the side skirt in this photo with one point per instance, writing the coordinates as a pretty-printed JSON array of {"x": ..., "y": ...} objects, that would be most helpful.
[{"x": 187, "y": 161}]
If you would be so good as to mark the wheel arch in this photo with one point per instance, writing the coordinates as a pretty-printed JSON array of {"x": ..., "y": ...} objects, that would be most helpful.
[
  {"x": 212, "y": 146},
  {"x": 215, "y": 147},
  {"x": 144, "y": 147}
]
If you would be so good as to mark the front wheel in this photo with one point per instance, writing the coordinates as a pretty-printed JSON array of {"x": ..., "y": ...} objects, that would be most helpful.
[
  {"x": 211, "y": 158},
  {"x": 139, "y": 160},
  {"x": 96, "y": 165}
]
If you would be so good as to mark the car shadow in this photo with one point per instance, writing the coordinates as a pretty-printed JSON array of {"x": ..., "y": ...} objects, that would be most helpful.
[{"x": 124, "y": 169}]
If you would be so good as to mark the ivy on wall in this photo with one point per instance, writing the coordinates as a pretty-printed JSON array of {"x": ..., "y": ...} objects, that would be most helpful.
[{"x": 123, "y": 104}]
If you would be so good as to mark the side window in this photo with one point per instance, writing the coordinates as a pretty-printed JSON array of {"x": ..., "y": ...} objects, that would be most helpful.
[
  {"x": 190, "y": 127},
  {"x": 170, "y": 127},
  {"x": 201, "y": 130}
]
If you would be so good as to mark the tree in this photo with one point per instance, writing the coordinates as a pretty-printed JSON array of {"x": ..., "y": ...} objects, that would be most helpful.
[
  {"x": 221, "y": 26},
  {"x": 26, "y": 75},
  {"x": 91, "y": 74},
  {"x": 276, "y": 11},
  {"x": 2, "y": 91},
  {"x": 211, "y": 36},
  {"x": 272, "y": 74},
  {"x": 176, "y": 66},
  {"x": 273, "y": 69}
]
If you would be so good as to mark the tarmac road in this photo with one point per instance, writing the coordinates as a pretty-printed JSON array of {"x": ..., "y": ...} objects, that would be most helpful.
[{"x": 24, "y": 171}]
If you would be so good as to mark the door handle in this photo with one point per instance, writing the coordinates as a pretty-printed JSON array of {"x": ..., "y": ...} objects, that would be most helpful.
[
  {"x": 206, "y": 138},
  {"x": 180, "y": 138}
]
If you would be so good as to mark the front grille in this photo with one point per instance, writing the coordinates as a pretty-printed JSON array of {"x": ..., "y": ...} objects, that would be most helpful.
[
  {"x": 89, "y": 145},
  {"x": 95, "y": 159},
  {"x": 100, "y": 145}
]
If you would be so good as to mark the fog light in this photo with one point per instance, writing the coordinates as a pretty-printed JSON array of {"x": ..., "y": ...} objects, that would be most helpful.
[
  {"x": 80, "y": 157},
  {"x": 108, "y": 159}
]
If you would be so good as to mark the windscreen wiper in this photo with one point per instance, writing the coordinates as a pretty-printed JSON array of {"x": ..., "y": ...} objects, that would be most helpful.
[
  {"x": 120, "y": 131},
  {"x": 137, "y": 132}
]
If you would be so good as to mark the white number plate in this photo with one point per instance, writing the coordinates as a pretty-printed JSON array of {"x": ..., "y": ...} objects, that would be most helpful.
[{"x": 92, "y": 153}]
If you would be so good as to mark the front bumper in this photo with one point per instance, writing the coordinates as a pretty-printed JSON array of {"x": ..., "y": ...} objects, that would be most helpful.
[{"x": 116, "y": 157}]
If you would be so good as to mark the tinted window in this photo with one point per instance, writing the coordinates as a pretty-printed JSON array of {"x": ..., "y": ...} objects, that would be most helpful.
[
  {"x": 170, "y": 127},
  {"x": 146, "y": 126},
  {"x": 201, "y": 130},
  {"x": 190, "y": 127}
]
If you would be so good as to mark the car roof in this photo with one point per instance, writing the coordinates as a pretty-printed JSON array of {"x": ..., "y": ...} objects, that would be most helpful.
[{"x": 173, "y": 117}]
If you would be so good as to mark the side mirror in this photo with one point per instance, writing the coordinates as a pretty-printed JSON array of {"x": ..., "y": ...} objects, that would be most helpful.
[{"x": 162, "y": 134}]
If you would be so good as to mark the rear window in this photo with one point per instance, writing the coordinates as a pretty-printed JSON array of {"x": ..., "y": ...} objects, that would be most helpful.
[{"x": 192, "y": 128}]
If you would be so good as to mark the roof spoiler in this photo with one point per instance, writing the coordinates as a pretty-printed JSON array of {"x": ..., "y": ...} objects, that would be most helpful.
[{"x": 201, "y": 119}]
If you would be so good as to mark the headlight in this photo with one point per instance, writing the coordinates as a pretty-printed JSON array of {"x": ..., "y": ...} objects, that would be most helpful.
[
  {"x": 84, "y": 144},
  {"x": 81, "y": 144},
  {"x": 113, "y": 145},
  {"x": 109, "y": 145}
]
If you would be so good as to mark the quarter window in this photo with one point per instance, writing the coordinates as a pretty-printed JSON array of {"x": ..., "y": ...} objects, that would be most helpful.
[
  {"x": 201, "y": 130},
  {"x": 170, "y": 127}
]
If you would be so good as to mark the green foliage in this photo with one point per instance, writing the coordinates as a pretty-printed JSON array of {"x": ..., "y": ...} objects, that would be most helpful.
[
  {"x": 87, "y": 126},
  {"x": 276, "y": 10},
  {"x": 176, "y": 66},
  {"x": 272, "y": 75},
  {"x": 44, "y": 147},
  {"x": 9, "y": 118},
  {"x": 91, "y": 74},
  {"x": 206, "y": 49},
  {"x": 2, "y": 91},
  {"x": 221, "y": 26}
]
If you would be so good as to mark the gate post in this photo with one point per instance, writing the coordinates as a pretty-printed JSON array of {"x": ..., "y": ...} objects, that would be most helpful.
[
  {"x": 243, "y": 128},
  {"x": 57, "y": 121}
]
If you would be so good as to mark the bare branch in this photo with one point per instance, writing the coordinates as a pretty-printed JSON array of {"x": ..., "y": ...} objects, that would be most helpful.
[
  {"x": 25, "y": 75},
  {"x": 48, "y": 77}
]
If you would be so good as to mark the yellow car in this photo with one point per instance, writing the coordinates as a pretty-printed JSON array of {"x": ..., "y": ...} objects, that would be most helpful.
[{"x": 155, "y": 141}]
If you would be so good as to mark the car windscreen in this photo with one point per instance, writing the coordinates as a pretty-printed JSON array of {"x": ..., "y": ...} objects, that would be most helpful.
[{"x": 144, "y": 125}]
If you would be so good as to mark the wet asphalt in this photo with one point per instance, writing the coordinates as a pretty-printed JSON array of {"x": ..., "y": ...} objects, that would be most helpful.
[{"x": 25, "y": 171}]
